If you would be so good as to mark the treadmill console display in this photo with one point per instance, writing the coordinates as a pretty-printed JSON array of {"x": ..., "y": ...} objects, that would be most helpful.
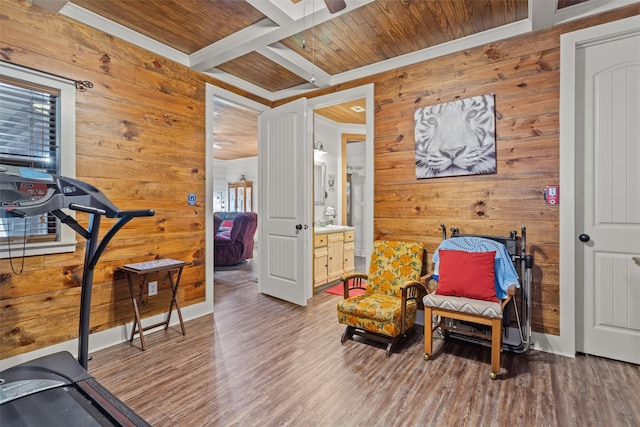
[{"x": 25, "y": 192}]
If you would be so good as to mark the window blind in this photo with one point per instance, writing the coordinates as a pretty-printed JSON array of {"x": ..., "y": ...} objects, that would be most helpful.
[{"x": 29, "y": 137}]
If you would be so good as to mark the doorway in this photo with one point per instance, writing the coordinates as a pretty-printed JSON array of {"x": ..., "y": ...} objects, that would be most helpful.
[
  {"x": 217, "y": 194},
  {"x": 319, "y": 102},
  {"x": 279, "y": 277},
  {"x": 599, "y": 234},
  {"x": 609, "y": 218},
  {"x": 347, "y": 117}
]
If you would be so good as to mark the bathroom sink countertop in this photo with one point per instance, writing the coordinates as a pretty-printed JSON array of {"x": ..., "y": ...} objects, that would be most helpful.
[{"x": 331, "y": 229}]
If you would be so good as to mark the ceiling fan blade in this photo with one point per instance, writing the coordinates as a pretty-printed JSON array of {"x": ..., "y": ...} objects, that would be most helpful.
[{"x": 335, "y": 5}]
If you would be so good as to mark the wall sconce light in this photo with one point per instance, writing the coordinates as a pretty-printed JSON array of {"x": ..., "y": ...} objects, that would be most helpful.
[{"x": 318, "y": 148}]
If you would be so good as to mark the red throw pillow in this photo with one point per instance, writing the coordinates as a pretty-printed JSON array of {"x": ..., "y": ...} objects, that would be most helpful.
[
  {"x": 467, "y": 274},
  {"x": 227, "y": 223}
]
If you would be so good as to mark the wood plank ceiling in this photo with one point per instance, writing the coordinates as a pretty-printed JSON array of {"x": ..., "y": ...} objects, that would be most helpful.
[
  {"x": 280, "y": 48},
  {"x": 326, "y": 44}
]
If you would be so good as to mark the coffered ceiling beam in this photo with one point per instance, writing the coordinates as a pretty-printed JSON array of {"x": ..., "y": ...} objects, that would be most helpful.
[
  {"x": 541, "y": 14},
  {"x": 52, "y": 5},
  {"x": 110, "y": 27},
  {"x": 285, "y": 57},
  {"x": 254, "y": 37},
  {"x": 275, "y": 12}
]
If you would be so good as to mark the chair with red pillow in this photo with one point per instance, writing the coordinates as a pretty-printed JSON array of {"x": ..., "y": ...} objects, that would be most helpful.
[{"x": 476, "y": 278}]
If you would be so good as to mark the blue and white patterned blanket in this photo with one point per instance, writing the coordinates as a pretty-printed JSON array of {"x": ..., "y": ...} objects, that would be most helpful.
[{"x": 505, "y": 271}]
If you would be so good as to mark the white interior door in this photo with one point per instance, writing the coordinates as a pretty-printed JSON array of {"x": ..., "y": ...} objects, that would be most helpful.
[
  {"x": 608, "y": 177},
  {"x": 285, "y": 179}
]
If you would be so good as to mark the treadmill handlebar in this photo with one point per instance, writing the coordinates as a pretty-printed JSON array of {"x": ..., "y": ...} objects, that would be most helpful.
[
  {"x": 116, "y": 213},
  {"x": 136, "y": 213},
  {"x": 88, "y": 209}
]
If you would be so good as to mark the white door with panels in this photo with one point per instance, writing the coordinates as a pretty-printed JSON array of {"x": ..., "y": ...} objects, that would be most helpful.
[
  {"x": 284, "y": 159},
  {"x": 608, "y": 181}
]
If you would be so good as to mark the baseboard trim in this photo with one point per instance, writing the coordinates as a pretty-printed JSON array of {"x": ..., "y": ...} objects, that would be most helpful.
[{"x": 110, "y": 337}]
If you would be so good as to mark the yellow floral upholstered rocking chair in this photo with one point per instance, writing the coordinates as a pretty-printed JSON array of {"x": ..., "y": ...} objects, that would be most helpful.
[{"x": 386, "y": 312}]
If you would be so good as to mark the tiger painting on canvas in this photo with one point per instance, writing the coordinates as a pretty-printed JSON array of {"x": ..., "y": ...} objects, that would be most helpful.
[{"x": 456, "y": 138}]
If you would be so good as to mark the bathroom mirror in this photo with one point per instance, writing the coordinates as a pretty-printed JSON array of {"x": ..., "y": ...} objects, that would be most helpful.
[{"x": 319, "y": 179}]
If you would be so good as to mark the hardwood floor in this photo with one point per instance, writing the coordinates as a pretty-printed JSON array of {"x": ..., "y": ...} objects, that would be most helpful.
[{"x": 259, "y": 361}]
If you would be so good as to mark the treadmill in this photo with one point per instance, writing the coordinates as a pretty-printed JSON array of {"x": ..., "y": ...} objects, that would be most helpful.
[{"x": 57, "y": 390}]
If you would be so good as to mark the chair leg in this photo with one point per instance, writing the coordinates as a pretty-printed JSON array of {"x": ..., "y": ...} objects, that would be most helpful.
[
  {"x": 389, "y": 348},
  {"x": 395, "y": 340},
  {"x": 428, "y": 333},
  {"x": 347, "y": 334},
  {"x": 496, "y": 344}
]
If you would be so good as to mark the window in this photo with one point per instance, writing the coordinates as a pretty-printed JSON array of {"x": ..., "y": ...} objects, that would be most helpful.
[{"x": 37, "y": 131}]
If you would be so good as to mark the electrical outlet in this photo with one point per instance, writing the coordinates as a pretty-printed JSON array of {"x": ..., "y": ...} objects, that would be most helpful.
[{"x": 153, "y": 288}]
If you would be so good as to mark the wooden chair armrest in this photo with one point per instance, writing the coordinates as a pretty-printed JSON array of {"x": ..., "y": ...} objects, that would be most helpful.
[
  {"x": 424, "y": 279},
  {"x": 511, "y": 291},
  {"x": 410, "y": 290},
  {"x": 356, "y": 279},
  {"x": 429, "y": 282},
  {"x": 354, "y": 276}
]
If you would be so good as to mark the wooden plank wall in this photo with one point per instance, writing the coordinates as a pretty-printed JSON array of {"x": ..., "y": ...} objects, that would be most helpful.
[
  {"x": 140, "y": 138},
  {"x": 524, "y": 74}
]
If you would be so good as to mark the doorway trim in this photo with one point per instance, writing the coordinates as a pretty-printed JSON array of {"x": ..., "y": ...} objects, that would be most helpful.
[
  {"x": 211, "y": 92},
  {"x": 367, "y": 92},
  {"x": 565, "y": 344}
]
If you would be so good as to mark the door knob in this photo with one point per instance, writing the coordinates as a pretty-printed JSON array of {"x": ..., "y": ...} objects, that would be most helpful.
[
  {"x": 299, "y": 227},
  {"x": 584, "y": 238}
]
